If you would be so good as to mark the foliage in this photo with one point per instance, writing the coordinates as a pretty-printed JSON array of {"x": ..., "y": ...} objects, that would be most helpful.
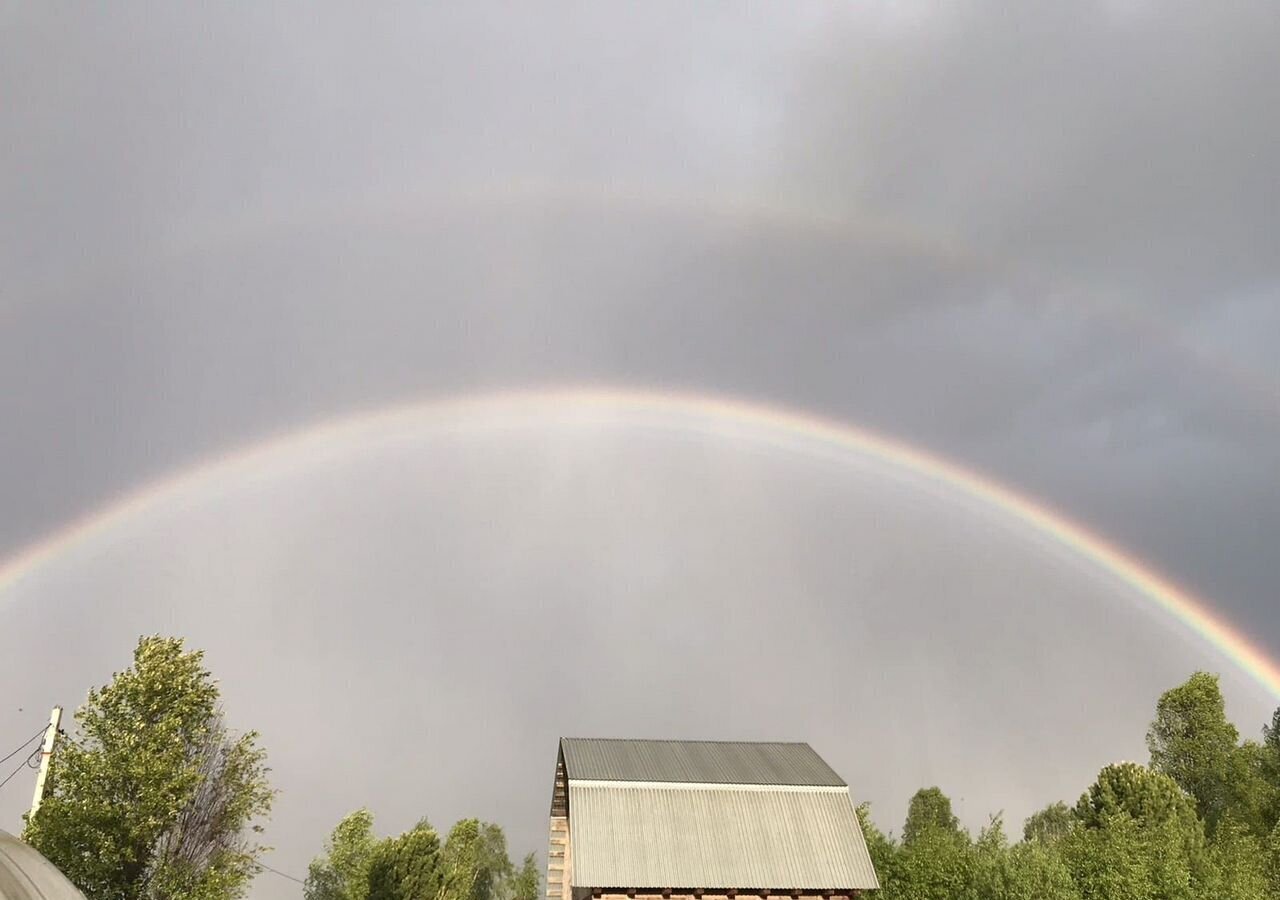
[
  {"x": 343, "y": 872},
  {"x": 1150, "y": 798},
  {"x": 1192, "y": 741},
  {"x": 929, "y": 813},
  {"x": 1271, "y": 732},
  {"x": 475, "y": 861},
  {"x": 1271, "y": 864},
  {"x": 407, "y": 867},
  {"x": 1144, "y": 816},
  {"x": 1239, "y": 864},
  {"x": 527, "y": 883},
  {"x": 883, "y": 852},
  {"x": 1049, "y": 825},
  {"x": 154, "y": 798},
  {"x": 936, "y": 859},
  {"x": 1201, "y": 823},
  {"x": 1034, "y": 872},
  {"x": 472, "y": 864}
]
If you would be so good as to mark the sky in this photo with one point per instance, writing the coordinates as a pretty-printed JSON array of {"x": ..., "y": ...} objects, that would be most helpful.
[{"x": 1039, "y": 243}]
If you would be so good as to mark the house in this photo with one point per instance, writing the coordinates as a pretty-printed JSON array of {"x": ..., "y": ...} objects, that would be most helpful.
[
  {"x": 26, "y": 875},
  {"x": 701, "y": 819}
]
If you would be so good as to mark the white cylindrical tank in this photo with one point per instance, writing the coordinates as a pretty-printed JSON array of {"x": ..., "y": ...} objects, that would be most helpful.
[{"x": 26, "y": 875}]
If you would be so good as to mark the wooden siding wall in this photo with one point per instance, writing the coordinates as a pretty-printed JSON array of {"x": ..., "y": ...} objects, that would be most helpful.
[{"x": 559, "y": 860}]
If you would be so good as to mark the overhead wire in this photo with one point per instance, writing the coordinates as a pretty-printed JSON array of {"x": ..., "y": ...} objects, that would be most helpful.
[
  {"x": 25, "y": 744},
  {"x": 262, "y": 865},
  {"x": 33, "y": 758},
  {"x": 31, "y": 762}
]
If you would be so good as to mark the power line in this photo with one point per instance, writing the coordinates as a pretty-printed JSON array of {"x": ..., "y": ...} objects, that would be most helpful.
[
  {"x": 32, "y": 761},
  {"x": 262, "y": 865},
  {"x": 25, "y": 744}
]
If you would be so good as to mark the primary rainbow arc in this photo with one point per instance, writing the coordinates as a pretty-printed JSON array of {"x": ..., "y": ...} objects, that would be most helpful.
[{"x": 792, "y": 430}]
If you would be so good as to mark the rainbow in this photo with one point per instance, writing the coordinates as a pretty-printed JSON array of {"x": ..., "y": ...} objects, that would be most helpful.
[
  {"x": 768, "y": 426},
  {"x": 810, "y": 217}
]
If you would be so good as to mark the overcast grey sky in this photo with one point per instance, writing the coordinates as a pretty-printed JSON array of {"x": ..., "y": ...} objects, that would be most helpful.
[{"x": 1042, "y": 243}]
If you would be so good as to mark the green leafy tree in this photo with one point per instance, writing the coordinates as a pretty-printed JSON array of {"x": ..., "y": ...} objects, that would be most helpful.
[
  {"x": 1137, "y": 827},
  {"x": 1110, "y": 860},
  {"x": 408, "y": 867},
  {"x": 883, "y": 852},
  {"x": 476, "y": 864},
  {"x": 1269, "y": 758},
  {"x": 935, "y": 866},
  {"x": 935, "y": 860},
  {"x": 527, "y": 883},
  {"x": 1192, "y": 741},
  {"x": 990, "y": 854},
  {"x": 1273, "y": 863},
  {"x": 1253, "y": 788},
  {"x": 1022, "y": 872},
  {"x": 1049, "y": 825},
  {"x": 1271, "y": 733},
  {"x": 1239, "y": 864},
  {"x": 154, "y": 798},
  {"x": 342, "y": 873},
  {"x": 1149, "y": 797},
  {"x": 1032, "y": 871},
  {"x": 930, "y": 812}
]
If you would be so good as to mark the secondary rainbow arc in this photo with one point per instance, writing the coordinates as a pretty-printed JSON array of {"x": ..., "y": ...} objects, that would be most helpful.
[{"x": 788, "y": 429}]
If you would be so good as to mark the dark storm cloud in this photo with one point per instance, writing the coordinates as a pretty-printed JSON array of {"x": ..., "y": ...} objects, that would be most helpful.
[
  {"x": 1118, "y": 156},
  {"x": 1122, "y": 149}
]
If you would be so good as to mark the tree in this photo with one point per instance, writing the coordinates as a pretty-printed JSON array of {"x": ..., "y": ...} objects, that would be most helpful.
[
  {"x": 1240, "y": 864},
  {"x": 934, "y": 866},
  {"x": 342, "y": 873},
  {"x": 1049, "y": 825},
  {"x": 1253, "y": 788},
  {"x": 990, "y": 858},
  {"x": 472, "y": 864},
  {"x": 154, "y": 798},
  {"x": 527, "y": 883},
  {"x": 1138, "y": 832},
  {"x": 1272, "y": 863},
  {"x": 929, "y": 811},
  {"x": 1110, "y": 861},
  {"x": 935, "y": 861},
  {"x": 1269, "y": 758},
  {"x": 476, "y": 865},
  {"x": 1035, "y": 872},
  {"x": 1271, "y": 733},
  {"x": 1022, "y": 872},
  {"x": 1150, "y": 798},
  {"x": 408, "y": 867},
  {"x": 1192, "y": 741},
  {"x": 883, "y": 851}
]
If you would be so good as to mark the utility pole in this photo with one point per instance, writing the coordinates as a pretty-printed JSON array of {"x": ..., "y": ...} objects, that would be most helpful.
[{"x": 46, "y": 754}]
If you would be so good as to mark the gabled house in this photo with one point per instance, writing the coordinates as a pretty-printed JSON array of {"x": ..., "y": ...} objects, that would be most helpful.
[{"x": 701, "y": 819}]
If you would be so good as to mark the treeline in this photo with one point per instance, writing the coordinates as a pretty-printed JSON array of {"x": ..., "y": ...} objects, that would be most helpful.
[
  {"x": 151, "y": 797},
  {"x": 1201, "y": 821},
  {"x": 471, "y": 864}
]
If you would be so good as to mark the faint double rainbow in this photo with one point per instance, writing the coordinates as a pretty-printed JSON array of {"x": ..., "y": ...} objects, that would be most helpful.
[
  {"x": 806, "y": 217},
  {"x": 768, "y": 426}
]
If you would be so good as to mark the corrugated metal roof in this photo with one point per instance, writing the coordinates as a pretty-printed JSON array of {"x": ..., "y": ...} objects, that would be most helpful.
[
  {"x": 668, "y": 836},
  {"x": 706, "y": 762},
  {"x": 27, "y": 875}
]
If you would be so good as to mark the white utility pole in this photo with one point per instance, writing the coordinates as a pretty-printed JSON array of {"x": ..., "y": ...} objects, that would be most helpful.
[{"x": 46, "y": 754}]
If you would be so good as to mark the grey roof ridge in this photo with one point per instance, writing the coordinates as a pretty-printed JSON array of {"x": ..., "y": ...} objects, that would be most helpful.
[{"x": 620, "y": 740}]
